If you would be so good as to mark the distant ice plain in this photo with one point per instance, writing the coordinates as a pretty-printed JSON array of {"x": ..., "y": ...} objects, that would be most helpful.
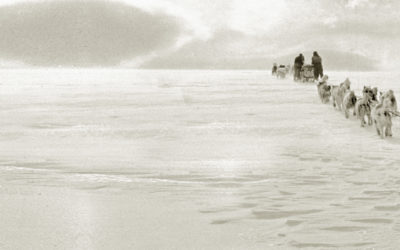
[{"x": 131, "y": 159}]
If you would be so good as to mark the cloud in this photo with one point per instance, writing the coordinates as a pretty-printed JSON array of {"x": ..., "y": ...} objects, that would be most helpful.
[
  {"x": 255, "y": 17},
  {"x": 195, "y": 16},
  {"x": 222, "y": 51},
  {"x": 82, "y": 33},
  {"x": 230, "y": 49},
  {"x": 355, "y": 3},
  {"x": 197, "y": 34}
]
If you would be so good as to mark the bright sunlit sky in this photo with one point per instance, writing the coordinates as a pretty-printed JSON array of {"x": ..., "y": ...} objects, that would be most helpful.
[{"x": 349, "y": 34}]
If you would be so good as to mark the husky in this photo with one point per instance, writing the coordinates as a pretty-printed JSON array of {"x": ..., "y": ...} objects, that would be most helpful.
[
  {"x": 382, "y": 119},
  {"x": 382, "y": 114},
  {"x": 389, "y": 100},
  {"x": 338, "y": 93},
  {"x": 324, "y": 90},
  {"x": 363, "y": 106},
  {"x": 349, "y": 101}
]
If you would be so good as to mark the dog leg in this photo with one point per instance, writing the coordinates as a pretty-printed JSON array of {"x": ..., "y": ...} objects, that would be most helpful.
[
  {"x": 382, "y": 132},
  {"x": 377, "y": 129},
  {"x": 369, "y": 120},
  {"x": 357, "y": 110},
  {"x": 346, "y": 113},
  {"x": 389, "y": 131}
]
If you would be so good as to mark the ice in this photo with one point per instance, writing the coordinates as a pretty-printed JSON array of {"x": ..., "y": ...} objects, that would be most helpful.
[{"x": 193, "y": 160}]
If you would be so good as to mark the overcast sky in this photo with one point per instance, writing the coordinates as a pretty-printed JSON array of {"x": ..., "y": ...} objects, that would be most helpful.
[{"x": 349, "y": 34}]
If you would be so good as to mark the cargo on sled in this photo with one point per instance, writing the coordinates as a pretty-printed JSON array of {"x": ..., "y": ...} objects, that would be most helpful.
[{"x": 307, "y": 73}]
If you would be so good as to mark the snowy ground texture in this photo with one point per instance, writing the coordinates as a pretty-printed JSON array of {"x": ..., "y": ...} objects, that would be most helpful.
[{"x": 123, "y": 159}]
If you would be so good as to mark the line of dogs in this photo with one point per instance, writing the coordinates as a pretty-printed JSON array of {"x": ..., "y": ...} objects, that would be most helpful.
[{"x": 368, "y": 108}]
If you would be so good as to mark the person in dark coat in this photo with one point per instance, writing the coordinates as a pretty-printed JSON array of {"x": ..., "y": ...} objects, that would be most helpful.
[
  {"x": 298, "y": 64},
  {"x": 317, "y": 63},
  {"x": 274, "y": 69}
]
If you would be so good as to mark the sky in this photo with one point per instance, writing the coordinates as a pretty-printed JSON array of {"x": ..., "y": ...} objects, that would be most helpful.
[{"x": 202, "y": 34}]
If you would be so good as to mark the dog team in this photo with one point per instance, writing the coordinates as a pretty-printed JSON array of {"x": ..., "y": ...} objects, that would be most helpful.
[{"x": 368, "y": 108}]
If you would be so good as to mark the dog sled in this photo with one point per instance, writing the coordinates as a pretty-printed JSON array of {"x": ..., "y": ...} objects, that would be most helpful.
[
  {"x": 281, "y": 71},
  {"x": 307, "y": 73}
]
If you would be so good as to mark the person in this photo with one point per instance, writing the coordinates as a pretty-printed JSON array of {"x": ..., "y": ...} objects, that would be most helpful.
[
  {"x": 298, "y": 64},
  {"x": 274, "y": 69},
  {"x": 317, "y": 64}
]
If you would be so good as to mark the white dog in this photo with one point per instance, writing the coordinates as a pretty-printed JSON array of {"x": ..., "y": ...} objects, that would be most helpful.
[
  {"x": 382, "y": 119},
  {"x": 338, "y": 93},
  {"x": 363, "y": 106},
  {"x": 389, "y": 100},
  {"x": 349, "y": 101},
  {"x": 324, "y": 90},
  {"x": 382, "y": 114}
]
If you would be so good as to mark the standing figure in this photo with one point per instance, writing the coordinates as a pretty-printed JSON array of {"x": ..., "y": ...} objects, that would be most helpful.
[
  {"x": 317, "y": 64},
  {"x": 274, "y": 69},
  {"x": 298, "y": 64}
]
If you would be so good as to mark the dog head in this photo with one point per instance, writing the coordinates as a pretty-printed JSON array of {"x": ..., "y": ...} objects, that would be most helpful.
[
  {"x": 368, "y": 92},
  {"x": 353, "y": 98},
  {"x": 389, "y": 100},
  {"x": 346, "y": 83},
  {"x": 327, "y": 88}
]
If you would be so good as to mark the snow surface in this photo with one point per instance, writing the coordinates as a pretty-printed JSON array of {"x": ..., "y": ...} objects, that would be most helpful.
[{"x": 250, "y": 161}]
